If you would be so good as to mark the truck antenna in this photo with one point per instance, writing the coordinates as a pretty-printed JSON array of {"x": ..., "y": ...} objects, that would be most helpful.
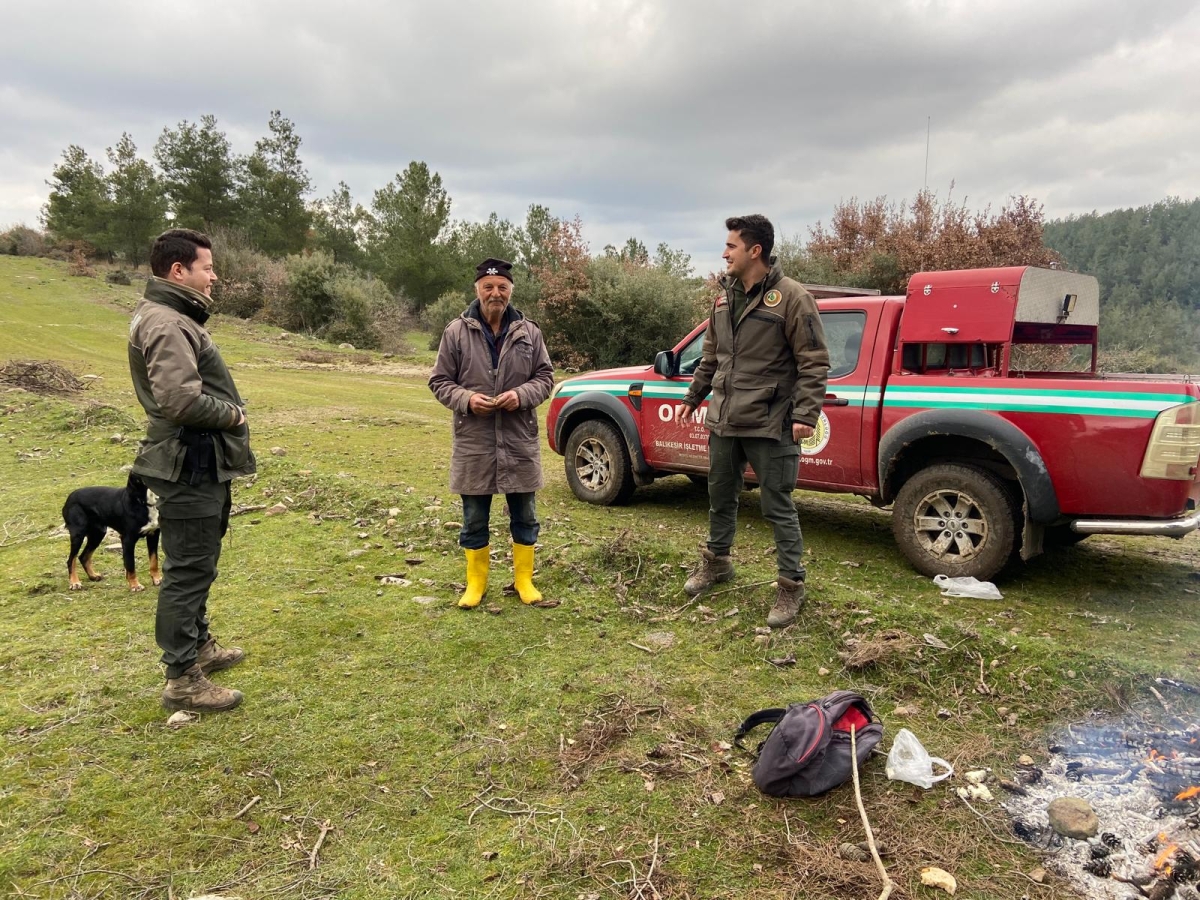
[{"x": 928, "y": 119}]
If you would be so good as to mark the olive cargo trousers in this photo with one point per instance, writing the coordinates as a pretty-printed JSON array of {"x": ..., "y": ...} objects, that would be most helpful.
[
  {"x": 776, "y": 463},
  {"x": 192, "y": 521}
]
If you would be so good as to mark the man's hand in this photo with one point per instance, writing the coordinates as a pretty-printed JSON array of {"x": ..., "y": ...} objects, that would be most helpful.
[
  {"x": 241, "y": 418},
  {"x": 682, "y": 412},
  {"x": 482, "y": 404},
  {"x": 508, "y": 401},
  {"x": 800, "y": 431}
]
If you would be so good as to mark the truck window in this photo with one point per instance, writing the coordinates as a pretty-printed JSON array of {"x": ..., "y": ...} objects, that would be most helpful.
[
  {"x": 921, "y": 358},
  {"x": 843, "y": 335},
  {"x": 689, "y": 356}
]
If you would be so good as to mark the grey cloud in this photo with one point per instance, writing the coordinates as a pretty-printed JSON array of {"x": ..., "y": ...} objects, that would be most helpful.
[{"x": 658, "y": 117}]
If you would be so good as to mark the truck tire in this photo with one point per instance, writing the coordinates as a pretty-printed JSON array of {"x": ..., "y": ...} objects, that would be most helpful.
[
  {"x": 597, "y": 463},
  {"x": 955, "y": 520}
]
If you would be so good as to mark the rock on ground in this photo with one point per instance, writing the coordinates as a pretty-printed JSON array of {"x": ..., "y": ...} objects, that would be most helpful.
[{"x": 1073, "y": 817}]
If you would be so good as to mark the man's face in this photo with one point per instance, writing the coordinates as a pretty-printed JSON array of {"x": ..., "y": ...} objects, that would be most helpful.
[
  {"x": 738, "y": 257},
  {"x": 493, "y": 292},
  {"x": 200, "y": 275}
]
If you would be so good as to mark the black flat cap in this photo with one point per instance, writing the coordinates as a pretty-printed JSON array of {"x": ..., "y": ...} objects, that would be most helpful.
[{"x": 493, "y": 266}]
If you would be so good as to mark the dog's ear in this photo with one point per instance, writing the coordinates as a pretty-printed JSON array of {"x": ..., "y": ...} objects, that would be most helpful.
[{"x": 137, "y": 486}]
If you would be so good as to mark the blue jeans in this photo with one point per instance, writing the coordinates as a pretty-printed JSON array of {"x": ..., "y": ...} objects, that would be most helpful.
[{"x": 477, "y": 512}]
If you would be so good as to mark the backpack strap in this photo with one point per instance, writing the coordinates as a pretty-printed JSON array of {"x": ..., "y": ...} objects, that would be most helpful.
[{"x": 754, "y": 720}]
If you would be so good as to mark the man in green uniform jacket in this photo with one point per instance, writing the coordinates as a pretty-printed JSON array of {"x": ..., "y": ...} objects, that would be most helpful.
[
  {"x": 766, "y": 364},
  {"x": 196, "y": 442}
]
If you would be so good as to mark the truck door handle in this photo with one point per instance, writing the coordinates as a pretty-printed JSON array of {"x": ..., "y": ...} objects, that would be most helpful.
[{"x": 835, "y": 400}]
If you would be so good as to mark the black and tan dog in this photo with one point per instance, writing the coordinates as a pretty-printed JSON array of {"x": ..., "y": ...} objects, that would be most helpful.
[{"x": 131, "y": 511}]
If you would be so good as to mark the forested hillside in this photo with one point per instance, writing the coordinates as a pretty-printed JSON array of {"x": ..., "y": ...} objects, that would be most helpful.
[{"x": 1148, "y": 263}]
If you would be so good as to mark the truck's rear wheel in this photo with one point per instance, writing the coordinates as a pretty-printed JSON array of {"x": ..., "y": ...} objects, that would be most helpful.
[
  {"x": 955, "y": 520},
  {"x": 597, "y": 463}
]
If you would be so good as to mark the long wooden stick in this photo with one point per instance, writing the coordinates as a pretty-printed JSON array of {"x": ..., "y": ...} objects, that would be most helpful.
[
  {"x": 312, "y": 857},
  {"x": 249, "y": 806},
  {"x": 888, "y": 884}
]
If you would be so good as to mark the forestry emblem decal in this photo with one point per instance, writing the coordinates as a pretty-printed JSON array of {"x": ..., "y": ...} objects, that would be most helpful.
[{"x": 813, "y": 445}]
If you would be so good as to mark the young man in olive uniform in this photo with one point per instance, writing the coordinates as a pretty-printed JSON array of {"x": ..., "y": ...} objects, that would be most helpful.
[
  {"x": 196, "y": 442},
  {"x": 766, "y": 363}
]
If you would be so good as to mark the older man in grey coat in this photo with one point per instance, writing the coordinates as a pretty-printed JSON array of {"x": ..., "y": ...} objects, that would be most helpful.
[{"x": 493, "y": 372}]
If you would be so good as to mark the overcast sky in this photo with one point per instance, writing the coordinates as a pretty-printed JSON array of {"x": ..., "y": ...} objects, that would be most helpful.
[{"x": 654, "y": 119}]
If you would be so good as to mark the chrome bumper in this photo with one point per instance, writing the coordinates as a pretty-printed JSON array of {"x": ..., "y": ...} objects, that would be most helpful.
[{"x": 1161, "y": 527}]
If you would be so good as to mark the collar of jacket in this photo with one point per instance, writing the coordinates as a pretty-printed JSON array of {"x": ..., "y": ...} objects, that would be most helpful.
[
  {"x": 179, "y": 297},
  {"x": 774, "y": 276},
  {"x": 475, "y": 314}
]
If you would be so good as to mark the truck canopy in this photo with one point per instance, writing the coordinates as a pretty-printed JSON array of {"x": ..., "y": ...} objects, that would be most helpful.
[{"x": 989, "y": 306}]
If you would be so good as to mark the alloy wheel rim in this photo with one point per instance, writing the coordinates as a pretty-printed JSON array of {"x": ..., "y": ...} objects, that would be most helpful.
[
  {"x": 593, "y": 465},
  {"x": 950, "y": 525}
]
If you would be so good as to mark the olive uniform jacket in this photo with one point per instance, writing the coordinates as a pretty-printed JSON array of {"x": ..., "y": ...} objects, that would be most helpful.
[
  {"x": 766, "y": 370},
  {"x": 498, "y": 453},
  {"x": 182, "y": 383}
]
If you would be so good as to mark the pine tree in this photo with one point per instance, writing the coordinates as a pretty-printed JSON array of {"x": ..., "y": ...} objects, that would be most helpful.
[
  {"x": 139, "y": 205},
  {"x": 79, "y": 206},
  {"x": 272, "y": 185},
  {"x": 198, "y": 174}
]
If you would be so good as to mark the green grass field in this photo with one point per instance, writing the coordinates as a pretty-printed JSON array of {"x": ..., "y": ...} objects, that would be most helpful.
[{"x": 575, "y": 752}]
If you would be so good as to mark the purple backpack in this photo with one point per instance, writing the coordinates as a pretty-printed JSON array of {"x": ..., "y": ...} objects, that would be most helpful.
[{"x": 808, "y": 751}]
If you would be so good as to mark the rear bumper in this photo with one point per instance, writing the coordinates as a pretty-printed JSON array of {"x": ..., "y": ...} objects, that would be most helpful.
[{"x": 1161, "y": 527}]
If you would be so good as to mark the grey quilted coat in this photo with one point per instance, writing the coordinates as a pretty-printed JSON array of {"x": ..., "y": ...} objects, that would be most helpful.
[{"x": 499, "y": 453}]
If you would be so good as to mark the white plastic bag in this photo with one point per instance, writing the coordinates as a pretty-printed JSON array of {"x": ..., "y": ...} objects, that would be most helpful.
[
  {"x": 967, "y": 586},
  {"x": 909, "y": 761}
]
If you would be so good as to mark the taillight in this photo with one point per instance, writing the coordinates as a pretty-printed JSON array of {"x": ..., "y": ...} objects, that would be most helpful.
[{"x": 1174, "y": 448}]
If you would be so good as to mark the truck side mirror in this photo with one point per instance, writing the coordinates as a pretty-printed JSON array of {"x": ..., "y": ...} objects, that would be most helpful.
[{"x": 665, "y": 364}]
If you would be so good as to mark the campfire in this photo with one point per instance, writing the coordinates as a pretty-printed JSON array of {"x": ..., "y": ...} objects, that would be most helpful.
[{"x": 1143, "y": 783}]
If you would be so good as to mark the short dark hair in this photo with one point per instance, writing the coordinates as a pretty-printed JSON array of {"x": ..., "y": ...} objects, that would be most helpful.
[
  {"x": 179, "y": 245},
  {"x": 754, "y": 229}
]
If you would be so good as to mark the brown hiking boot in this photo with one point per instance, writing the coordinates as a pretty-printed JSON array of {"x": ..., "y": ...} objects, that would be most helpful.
[
  {"x": 212, "y": 657},
  {"x": 712, "y": 570},
  {"x": 788, "y": 601},
  {"x": 194, "y": 692}
]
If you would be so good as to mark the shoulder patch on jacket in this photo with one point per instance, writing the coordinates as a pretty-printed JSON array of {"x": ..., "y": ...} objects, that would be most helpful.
[{"x": 773, "y": 299}]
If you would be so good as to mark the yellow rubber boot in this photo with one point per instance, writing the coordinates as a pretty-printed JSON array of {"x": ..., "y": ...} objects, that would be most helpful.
[
  {"x": 523, "y": 573},
  {"x": 478, "y": 564}
]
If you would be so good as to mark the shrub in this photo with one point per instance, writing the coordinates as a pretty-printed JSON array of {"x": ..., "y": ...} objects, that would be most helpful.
[
  {"x": 249, "y": 281},
  {"x": 391, "y": 321},
  {"x": 627, "y": 313},
  {"x": 23, "y": 241},
  {"x": 118, "y": 276},
  {"x": 357, "y": 304},
  {"x": 80, "y": 267},
  {"x": 308, "y": 304},
  {"x": 441, "y": 313},
  {"x": 332, "y": 301}
]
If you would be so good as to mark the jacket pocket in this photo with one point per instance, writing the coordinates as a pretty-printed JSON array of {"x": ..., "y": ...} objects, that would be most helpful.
[
  {"x": 235, "y": 448},
  {"x": 522, "y": 424},
  {"x": 163, "y": 459},
  {"x": 749, "y": 398},
  {"x": 810, "y": 328},
  {"x": 716, "y": 398}
]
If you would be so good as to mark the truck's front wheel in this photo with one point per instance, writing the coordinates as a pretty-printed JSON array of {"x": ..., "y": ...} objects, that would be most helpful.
[
  {"x": 597, "y": 462},
  {"x": 955, "y": 520}
]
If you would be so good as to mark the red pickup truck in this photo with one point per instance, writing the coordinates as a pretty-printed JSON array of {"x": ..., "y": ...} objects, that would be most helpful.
[{"x": 971, "y": 405}]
